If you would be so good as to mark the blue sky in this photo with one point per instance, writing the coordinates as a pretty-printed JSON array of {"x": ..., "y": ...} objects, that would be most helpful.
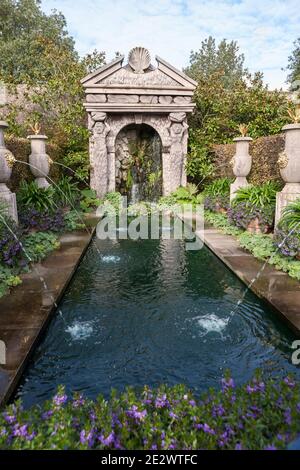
[{"x": 264, "y": 29}]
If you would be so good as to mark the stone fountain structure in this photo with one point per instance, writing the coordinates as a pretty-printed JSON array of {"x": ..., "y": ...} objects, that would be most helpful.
[{"x": 137, "y": 93}]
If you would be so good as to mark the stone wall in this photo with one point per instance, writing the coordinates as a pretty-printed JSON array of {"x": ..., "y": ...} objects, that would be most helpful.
[{"x": 264, "y": 151}]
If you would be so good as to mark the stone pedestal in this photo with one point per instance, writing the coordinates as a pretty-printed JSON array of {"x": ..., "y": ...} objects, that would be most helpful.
[
  {"x": 6, "y": 164},
  {"x": 242, "y": 162},
  {"x": 289, "y": 164},
  {"x": 39, "y": 160}
]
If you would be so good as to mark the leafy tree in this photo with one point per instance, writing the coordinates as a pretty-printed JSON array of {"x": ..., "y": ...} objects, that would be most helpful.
[
  {"x": 24, "y": 33},
  {"x": 223, "y": 59},
  {"x": 227, "y": 95},
  {"x": 294, "y": 63},
  {"x": 37, "y": 52}
]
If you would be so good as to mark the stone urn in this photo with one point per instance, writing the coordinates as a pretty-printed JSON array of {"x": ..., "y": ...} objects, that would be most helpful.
[
  {"x": 7, "y": 161},
  {"x": 289, "y": 165},
  {"x": 39, "y": 160},
  {"x": 241, "y": 163}
]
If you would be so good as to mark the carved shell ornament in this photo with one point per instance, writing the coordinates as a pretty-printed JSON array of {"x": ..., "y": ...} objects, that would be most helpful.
[
  {"x": 139, "y": 59},
  {"x": 283, "y": 160}
]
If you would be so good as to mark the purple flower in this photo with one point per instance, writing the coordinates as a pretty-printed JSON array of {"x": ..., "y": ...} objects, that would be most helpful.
[
  {"x": 288, "y": 416},
  {"x": 161, "y": 402},
  {"x": 270, "y": 447},
  {"x": 10, "y": 419},
  {"x": 87, "y": 437},
  {"x": 135, "y": 414},
  {"x": 78, "y": 402},
  {"x": 107, "y": 441},
  {"x": 192, "y": 403},
  {"x": 238, "y": 446},
  {"x": 206, "y": 428},
  {"x": 59, "y": 400},
  {"x": 20, "y": 430},
  {"x": 47, "y": 414},
  {"x": 173, "y": 415},
  {"x": 218, "y": 410},
  {"x": 227, "y": 384},
  {"x": 290, "y": 383}
]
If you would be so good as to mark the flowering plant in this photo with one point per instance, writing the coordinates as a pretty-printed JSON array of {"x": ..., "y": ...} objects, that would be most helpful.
[{"x": 262, "y": 414}]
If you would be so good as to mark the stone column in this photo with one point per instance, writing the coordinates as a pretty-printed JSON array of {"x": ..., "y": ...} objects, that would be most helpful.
[
  {"x": 39, "y": 160},
  {"x": 289, "y": 164},
  {"x": 100, "y": 169},
  {"x": 6, "y": 163},
  {"x": 242, "y": 162},
  {"x": 178, "y": 150}
]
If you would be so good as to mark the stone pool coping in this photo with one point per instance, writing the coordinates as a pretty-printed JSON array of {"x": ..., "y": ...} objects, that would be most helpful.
[
  {"x": 276, "y": 288},
  {"x": 26, "y": 312}
]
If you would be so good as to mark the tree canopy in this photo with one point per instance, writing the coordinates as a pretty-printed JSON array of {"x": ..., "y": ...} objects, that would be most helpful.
[
  {"x": 294, "y": 63},
  {"x": 227, "y": 95}
]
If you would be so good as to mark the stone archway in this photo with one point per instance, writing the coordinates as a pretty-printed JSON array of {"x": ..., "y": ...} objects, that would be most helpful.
[
  {"x": 138, "y": 94},
  {"x": 138, "y": 163}
]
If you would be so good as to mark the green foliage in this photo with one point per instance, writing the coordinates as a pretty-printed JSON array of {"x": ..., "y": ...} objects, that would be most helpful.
[
  {"x": 198, "y": 164},
  {"x": 24, "y": 28},
  {"x": 79, "y": 164},
  {"x": 291, "y": 217},
  {"x": 242, "y": 417},
  {"x": 294, "y": 63},
  {"x": 38, "y": 245},
  {"x": 37, "y": 51},
  {"x": 73, "y": 221},
  {"x": 30, "y": 195},
  {"x": 185, "y": 194},
  {"x": 259, "y": 196},
  {"x": 221, "y": 222},
  {"x": 226, "y": 96},
  {"x": 212, "y": 58},
  {"x": 259, "y": 245},
  {"x": 7, "y": 279},
  {"x": 66, "y": 192},
  {"x": 89, "y": 200},
  {"x": 219, "y": 187}
]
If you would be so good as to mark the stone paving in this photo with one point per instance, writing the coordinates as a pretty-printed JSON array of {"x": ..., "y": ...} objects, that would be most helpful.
[{"x": 26, "y": 311}]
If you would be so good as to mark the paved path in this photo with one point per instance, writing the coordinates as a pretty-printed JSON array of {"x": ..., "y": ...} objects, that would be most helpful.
[{"x": 27, "y": 310}]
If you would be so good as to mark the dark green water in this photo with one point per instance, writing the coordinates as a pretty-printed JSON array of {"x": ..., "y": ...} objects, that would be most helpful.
[{"x": 146, "y": 312}]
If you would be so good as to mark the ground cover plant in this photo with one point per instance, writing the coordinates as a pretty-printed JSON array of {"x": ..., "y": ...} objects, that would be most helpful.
[
  {"x": 262, "y": 414},
  {"x": 254, "y": 204},
  {"x": 262, "y": 246}
]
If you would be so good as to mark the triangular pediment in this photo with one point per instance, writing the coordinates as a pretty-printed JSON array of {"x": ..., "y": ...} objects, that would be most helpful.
[{"x": 115, "y": 74}]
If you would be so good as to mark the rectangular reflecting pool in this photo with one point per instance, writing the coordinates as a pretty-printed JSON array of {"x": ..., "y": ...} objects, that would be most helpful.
[{"x": 148, "y": 311}]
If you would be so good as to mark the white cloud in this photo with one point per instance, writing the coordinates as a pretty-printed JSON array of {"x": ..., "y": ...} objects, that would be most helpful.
[{"x": 265, "y": 30}]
